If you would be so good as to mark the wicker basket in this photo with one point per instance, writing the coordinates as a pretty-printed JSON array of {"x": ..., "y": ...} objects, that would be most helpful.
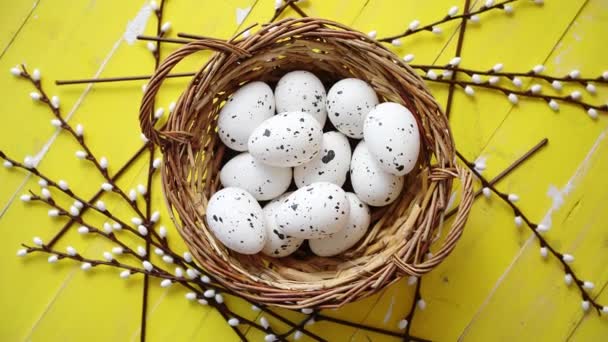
[{"x": 400, "y": 235}]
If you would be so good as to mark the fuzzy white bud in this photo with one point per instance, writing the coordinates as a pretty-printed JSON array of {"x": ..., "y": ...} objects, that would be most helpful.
[
  {"x": 476, "y": 79},
  {"x": 162, "y": 232},
  {"x": 408, "y": 58},
  {"x": 52, "y": 259},
  {"x": 117, "y": 250},
  {"x": 372, "y": 34},
  {"x": 278, "y": 4},
  {"x": 125, "y": 274},
  {"x": 141, "y": 189},
  {"x": 535, "y": 88},
  {"x": 474, "y": 18},
  {"x": 53, "y": 212},
  {"x": 270, "y": 338},
  {"x": 455, "y": 61},
  {"x": 22, "y": 252},
  {"x": 542, "y": 228},
  {"x": 446, "y": 74},
  {"x": 79, "y": 130},
  {"x": 100, "y": 206},
  {"x": 307, "y": 311},
  {"x": 568, "y": 258},
  {"x": 168, "y": 259},
  {"x": 497, "y": 67},
  {"x": 421, "y": 304},
  {"x": 155, "y": 217},
  {"x": 592, "y": 112},
  {"x": 86, "y": 266},
  {"x": 255, "y": 308},
  {"x": 156, "y": 163},
  {"x": 403, "y": 324},
  {"x": 165, "y": 27},
  {"x": 605, "y": 309},
  {"x": 568, "y": 279},
  {"x": 151, "y": 46},
  {"x": 585, "y": 305},
  {"x": 437, "y": 30},
  {"x": 81, "y": 154},
  {"x": 63, "y": 185},
  {"x": 233, "y": 322},
  {"x": 143, "y": 231},
  {"x": 513, "y": 98},
  {"x": 554, "y": 105},
  {"x": 187, "y": 256},
  {"x": 36, "y": 75},
  {"x": 219, "y": 298},
  {"x": 107, "y": 187},
  {"x": 171, "y": 107},
  {"x": 56, "y": 123},
  {"x": 7, "y": 164},
  {"x": 431, "y": 75},
  {"x": 103, "y": 163},
  {"x": 159, "y": 113},
  {"x": 489, "y": 3},
  {"x": 141, "y": 251},
  {"x": 35, "y": 96},
  {"x": 165, "y": 283},
  {"x": 74, "y": 211},
  {"x": 486, "y": 192},
  {"x": 453, "y": 11},
  {"x": 108, "y": 256},
  {"x": 414, "y": 25},
  {"x": 519, "y": 221},
  {"x": 264, "y": 322},
  {"x": 209, "y": 293},
  {"x": 191, "y": 274},
  {"x": 396, "y": 42},
  {"x": 29, "y": 162},
  {"x": 147, "y": 265},
  {"x": 116, "y": 226},
  {"x": 205, "y": 279},
  {"x": 557, "y": 85},
  {"x": 588, "y": 285},
  {"x": 513, "y": 198},
  {"x": 508, "y": 8},
  {"x": 83, "y": 230},
  {"x": 574, "y": 74},
  {"x": 132, "y": 195},
  {"x": 539, "y": 2},
  {"x": 202, "y": 301},
  {"x": 153, "y": 5},
  {"x": 544, "y": 252},
  {"x": 159, "y": 251},
  {"x": 469, "y": 90},
  {"x": 411, "y": 280},
  {"x": 517, "y": 82},
  {"x": 494, "y": 80},
  {"x": 576, "y": 95},
  {"x": 179, "y": 272},
  {"x": 55, "y": 101},
  {"x": 15, "y": 71},
  {"x": 136, "y": 220},
  {"x": 537, "y": 69},
  {"x": 591, "y": 88},
  {"x": 26, "y": 198}
]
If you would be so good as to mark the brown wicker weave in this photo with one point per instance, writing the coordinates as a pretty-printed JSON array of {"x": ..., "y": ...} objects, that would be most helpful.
[{"x": 400, "y": 235}]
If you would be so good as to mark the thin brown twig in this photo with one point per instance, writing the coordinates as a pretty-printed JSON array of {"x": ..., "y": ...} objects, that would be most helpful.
[
  {"x": 459, "y": 45},
  {"x": 533, "y": 227},
  {"x": 567, "y": 98},
  {"x": 410, "y": 316},
  {"x": 466, "y": 15},
  {"x": 507, "y": 171}
]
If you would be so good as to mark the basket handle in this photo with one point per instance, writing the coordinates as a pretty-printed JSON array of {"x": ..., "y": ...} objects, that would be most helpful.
[
  {"x": 466, "y": 201},
  {"x": 146, "y": 109}
]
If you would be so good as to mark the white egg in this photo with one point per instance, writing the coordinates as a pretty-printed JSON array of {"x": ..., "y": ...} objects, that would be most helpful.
[
  {"x": 392, "y": 136},
  {"x": 278, "y": 244},
  {"x": 286, "y": 139},
  {"x": 246, "y": 109},
  {"x": 263, "y": 181},
  {"x": 301, "y": 91},
  {"x": 371, "y": 183},
  {"x": 348, "y": 102},
  {"x": 330, "y": 165},
  {"x": 336, "y": 243},
  {"x": 314, "y": 211},
  {"x": 237, "y": 220}
]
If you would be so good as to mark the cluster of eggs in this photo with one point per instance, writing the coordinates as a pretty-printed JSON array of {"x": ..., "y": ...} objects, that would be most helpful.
[{"x": 276, "y": 148}]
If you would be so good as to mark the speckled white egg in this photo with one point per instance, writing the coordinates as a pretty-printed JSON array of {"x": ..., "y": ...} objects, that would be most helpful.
[
  {"x": 330, "y": 165},
  {"x": 336, "y": 243},
  {"x": 371, "y": 183},
  {"x": 237, "y": 220},
  {"x": 263, "y": 181},
  {"x": 246, "y": 109},
  {"x": 348, "y": 102},
  {"x": 392, "y": 136},
  {"x": 301, "y": 91},
  {"x": 286, "y": 139},
  {"x": 314, "y": 211},
  {"x": 278, "y": 244}
]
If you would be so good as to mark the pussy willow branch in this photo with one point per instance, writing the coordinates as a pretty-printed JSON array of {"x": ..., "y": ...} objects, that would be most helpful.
[
  {"x": 79, "y": 138},
  {"x": 410, "y": 315},
  {"x": 447, "y": 18},
  {"x": 533, "y": 228},
  {"x": 566, "y": 99},
  {"x": 508, "y": 170},
  {"x": 459, "y": 45},
  {"x": 510, "y": 75}
]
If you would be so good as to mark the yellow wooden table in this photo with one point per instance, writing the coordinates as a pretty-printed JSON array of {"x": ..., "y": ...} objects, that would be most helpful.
[{"x": 494, "y": 286}]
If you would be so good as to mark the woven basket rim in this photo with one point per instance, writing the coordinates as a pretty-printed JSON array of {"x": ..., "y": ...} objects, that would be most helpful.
[{"x": 401, "y": 234}]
